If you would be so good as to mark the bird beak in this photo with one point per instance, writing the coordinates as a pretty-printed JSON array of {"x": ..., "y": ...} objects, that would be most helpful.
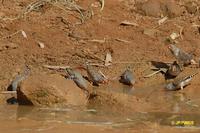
[{"x": 169, "y": 47}]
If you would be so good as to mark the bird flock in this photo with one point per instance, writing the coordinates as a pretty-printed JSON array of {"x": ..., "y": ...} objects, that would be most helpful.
[
  {"x": 183, "y": 59},
  {"x": 172, "y": 70}
]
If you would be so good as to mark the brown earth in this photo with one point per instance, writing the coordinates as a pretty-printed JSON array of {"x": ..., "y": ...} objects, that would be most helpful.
[
  {"x": 66, "y": 43},
  {"x": 69, "y": 43}
]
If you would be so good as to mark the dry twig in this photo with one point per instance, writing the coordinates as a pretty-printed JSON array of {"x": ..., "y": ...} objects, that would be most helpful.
[
  {"x": 15, "y": 33},
  {"x": 8, "y": 92},
  {"x": 122, "y": 40},
  {"x": 56, "y": 67},
  {"x": 103, "y": 74},
  {"x": 162, "y": 20},
  {"x": 98, "y": 65},
  {"x": 98, "y": 41},
  {"x": 150, "y": 75},
  {"x": 102, "y": 4},
  {"x": 127, "y": 23},
  {"x": 108, "y": 59},
  {"x": 129, "y": 62}
]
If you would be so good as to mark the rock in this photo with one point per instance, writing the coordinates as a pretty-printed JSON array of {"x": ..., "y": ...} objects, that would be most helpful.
[
  {"x": 40, "y": 44},
  {"x": 158, "y": 8},
  {"x": 49, "y": 90},
  {"x": 116, "y": 101},
  {"x": 172, "y": 9},
  {"x": 152, "y": 8}
]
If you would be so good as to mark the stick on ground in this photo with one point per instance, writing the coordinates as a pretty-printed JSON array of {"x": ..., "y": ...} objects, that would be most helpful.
[
  {"x": 56, "y": 67},
  {"x": 150, "y": 75},
  {"x": 8, "y": 92},
  {"x": 102, "y": 5}
]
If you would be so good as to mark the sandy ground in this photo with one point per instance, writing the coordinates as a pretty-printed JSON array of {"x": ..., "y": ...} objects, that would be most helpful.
[{"x": 68, "y": 43}]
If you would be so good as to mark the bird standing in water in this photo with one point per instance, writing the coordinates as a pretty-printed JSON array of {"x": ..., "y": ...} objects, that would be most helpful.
[
  {"x": 182, "y": 57},
  {"x": 95, "y": 76},
  {"x": 180, "y": 83},
  {"x": 127, "y": 77}
]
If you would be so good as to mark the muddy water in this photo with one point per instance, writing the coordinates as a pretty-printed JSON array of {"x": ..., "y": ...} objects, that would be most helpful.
[{"x": 169, "y": 111}]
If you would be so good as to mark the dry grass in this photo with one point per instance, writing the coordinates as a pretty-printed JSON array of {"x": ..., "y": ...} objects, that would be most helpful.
[{"x": 65, "y": 5}]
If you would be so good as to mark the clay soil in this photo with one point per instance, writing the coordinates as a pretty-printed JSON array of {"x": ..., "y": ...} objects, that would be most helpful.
[{"x": 70, "y": 42}]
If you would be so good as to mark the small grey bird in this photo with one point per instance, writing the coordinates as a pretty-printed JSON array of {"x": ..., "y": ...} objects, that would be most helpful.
[
  {"x": 180, "y": 83},
  {"x": 127, "y": 77},
  {"x": 78, "y": 79},
  {"x": 15, "y": 83},
  {"x": 96, "y": 77},
  {"x": 174, "y": 69},
  {"x": 183, "y": 57}
]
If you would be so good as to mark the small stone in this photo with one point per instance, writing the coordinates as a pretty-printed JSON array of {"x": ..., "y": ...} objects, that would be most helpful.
[
  {"x": 174, "y": 35},
  {"x": 41, "y": 44},
  {"x": 24, "y": 34},
  {"x": 152, "y": 8},
  {"x": 108, "y": 59}
]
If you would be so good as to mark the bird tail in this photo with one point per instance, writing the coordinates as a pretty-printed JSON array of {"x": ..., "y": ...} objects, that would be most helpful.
[{"x": 192, "y": 75}]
